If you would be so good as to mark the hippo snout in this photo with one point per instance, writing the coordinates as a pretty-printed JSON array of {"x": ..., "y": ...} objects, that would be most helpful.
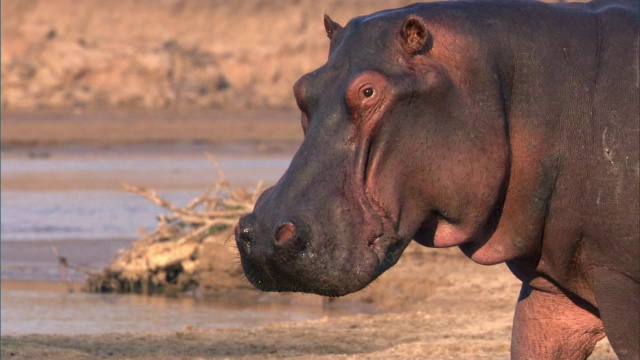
[
  {"x": 268, "y": 252},
  {"x": 285, "y": 253}
]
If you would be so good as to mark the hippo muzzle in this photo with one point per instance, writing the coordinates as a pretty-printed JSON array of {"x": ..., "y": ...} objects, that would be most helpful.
[{"x": 307, "y": 246}]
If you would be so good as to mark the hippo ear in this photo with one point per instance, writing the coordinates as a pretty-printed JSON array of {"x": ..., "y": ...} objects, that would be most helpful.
[
  {"x": 416, "y": 38},
  {"x": 331, "y": 27}
]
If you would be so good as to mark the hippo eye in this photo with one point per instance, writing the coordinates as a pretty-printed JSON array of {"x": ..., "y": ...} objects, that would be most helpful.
[{"x": 368, "y": 92}]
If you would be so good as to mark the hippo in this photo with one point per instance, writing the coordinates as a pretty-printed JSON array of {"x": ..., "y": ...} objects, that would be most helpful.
[{"x": 509, "y": 129}]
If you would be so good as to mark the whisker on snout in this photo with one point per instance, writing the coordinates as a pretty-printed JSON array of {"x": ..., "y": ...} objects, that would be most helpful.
[{"x": 227, "y": 239}]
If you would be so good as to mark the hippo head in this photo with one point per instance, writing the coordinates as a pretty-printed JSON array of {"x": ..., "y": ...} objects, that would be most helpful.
[{"x": 396, "y": 148}]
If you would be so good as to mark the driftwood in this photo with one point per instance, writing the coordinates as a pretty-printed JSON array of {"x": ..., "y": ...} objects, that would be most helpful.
[{"x": 167, "y": 260}]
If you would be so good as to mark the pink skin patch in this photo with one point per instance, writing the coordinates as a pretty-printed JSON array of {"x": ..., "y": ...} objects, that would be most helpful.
[
  {"x": 448, "y": 235},
  {"x": 285, "y": 232}
]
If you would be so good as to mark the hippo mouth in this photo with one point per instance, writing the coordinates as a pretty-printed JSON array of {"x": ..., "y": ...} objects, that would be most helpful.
[
  {"x": 307, "y": 270},
  {"x": 387, "y": 245}
]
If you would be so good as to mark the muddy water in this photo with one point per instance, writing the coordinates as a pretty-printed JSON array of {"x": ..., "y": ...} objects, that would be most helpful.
[
  {"x": 35, "y": 308},
  {"x": 70, "y": 200},
  {"x": 91, "y": 205}
]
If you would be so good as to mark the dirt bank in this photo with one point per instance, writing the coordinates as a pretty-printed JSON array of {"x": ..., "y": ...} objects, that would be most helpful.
[
  {"x": 64, "y": 54},
  {"x": 266, "y": 130}
]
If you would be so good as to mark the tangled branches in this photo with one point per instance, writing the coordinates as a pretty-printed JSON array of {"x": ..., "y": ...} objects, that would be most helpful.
[
  {"x": 168, "y": 257},
  {"x": 213, "y": 211}
]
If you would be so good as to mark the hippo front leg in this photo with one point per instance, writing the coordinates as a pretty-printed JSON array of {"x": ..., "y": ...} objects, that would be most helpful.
[
  {"x": 618, "y": 298},
  {"x": 549, "y": 325}
]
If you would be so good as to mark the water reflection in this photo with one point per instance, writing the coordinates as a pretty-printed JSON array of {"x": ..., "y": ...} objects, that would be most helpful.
[{"x": 49, "y": 312}]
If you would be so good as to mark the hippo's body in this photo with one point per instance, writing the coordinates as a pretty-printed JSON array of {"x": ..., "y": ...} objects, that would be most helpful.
[{"x": 509, "y": 129}]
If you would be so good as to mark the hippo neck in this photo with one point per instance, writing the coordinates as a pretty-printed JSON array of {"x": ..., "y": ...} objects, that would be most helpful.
[{"x": 546, "y": 122}]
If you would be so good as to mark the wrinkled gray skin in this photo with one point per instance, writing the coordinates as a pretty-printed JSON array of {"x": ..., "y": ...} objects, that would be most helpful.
[{"x": 509, "y": 129}]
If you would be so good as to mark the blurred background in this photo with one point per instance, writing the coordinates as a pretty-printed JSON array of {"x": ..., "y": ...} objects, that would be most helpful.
[
  {"x": 96, "y": 94},
  {"x": 163, "y": 54}
]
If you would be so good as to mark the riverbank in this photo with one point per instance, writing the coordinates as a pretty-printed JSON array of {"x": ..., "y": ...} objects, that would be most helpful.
[
  {"x": 441, "y": 306},
  {"x": 164, "y": 55},
  {"x": 261, "y": 131}
]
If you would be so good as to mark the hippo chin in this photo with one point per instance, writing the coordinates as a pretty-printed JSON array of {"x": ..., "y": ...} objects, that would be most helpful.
[{"x": 509, "y": 129}]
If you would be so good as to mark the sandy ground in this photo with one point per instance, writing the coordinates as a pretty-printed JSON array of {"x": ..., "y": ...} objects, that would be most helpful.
[
  {"x": 141, "y": 54},
  {"x": 171, "y": 136},
  {"x": 444, "y": 307},
  {"x": 434, "y": 304},
  {"x": 269, "y": 130}
]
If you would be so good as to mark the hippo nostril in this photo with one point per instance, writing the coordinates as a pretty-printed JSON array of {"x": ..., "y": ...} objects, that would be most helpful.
[
  {"x": 285, "y": 232},
  {"x": 243, "y": 232}
]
